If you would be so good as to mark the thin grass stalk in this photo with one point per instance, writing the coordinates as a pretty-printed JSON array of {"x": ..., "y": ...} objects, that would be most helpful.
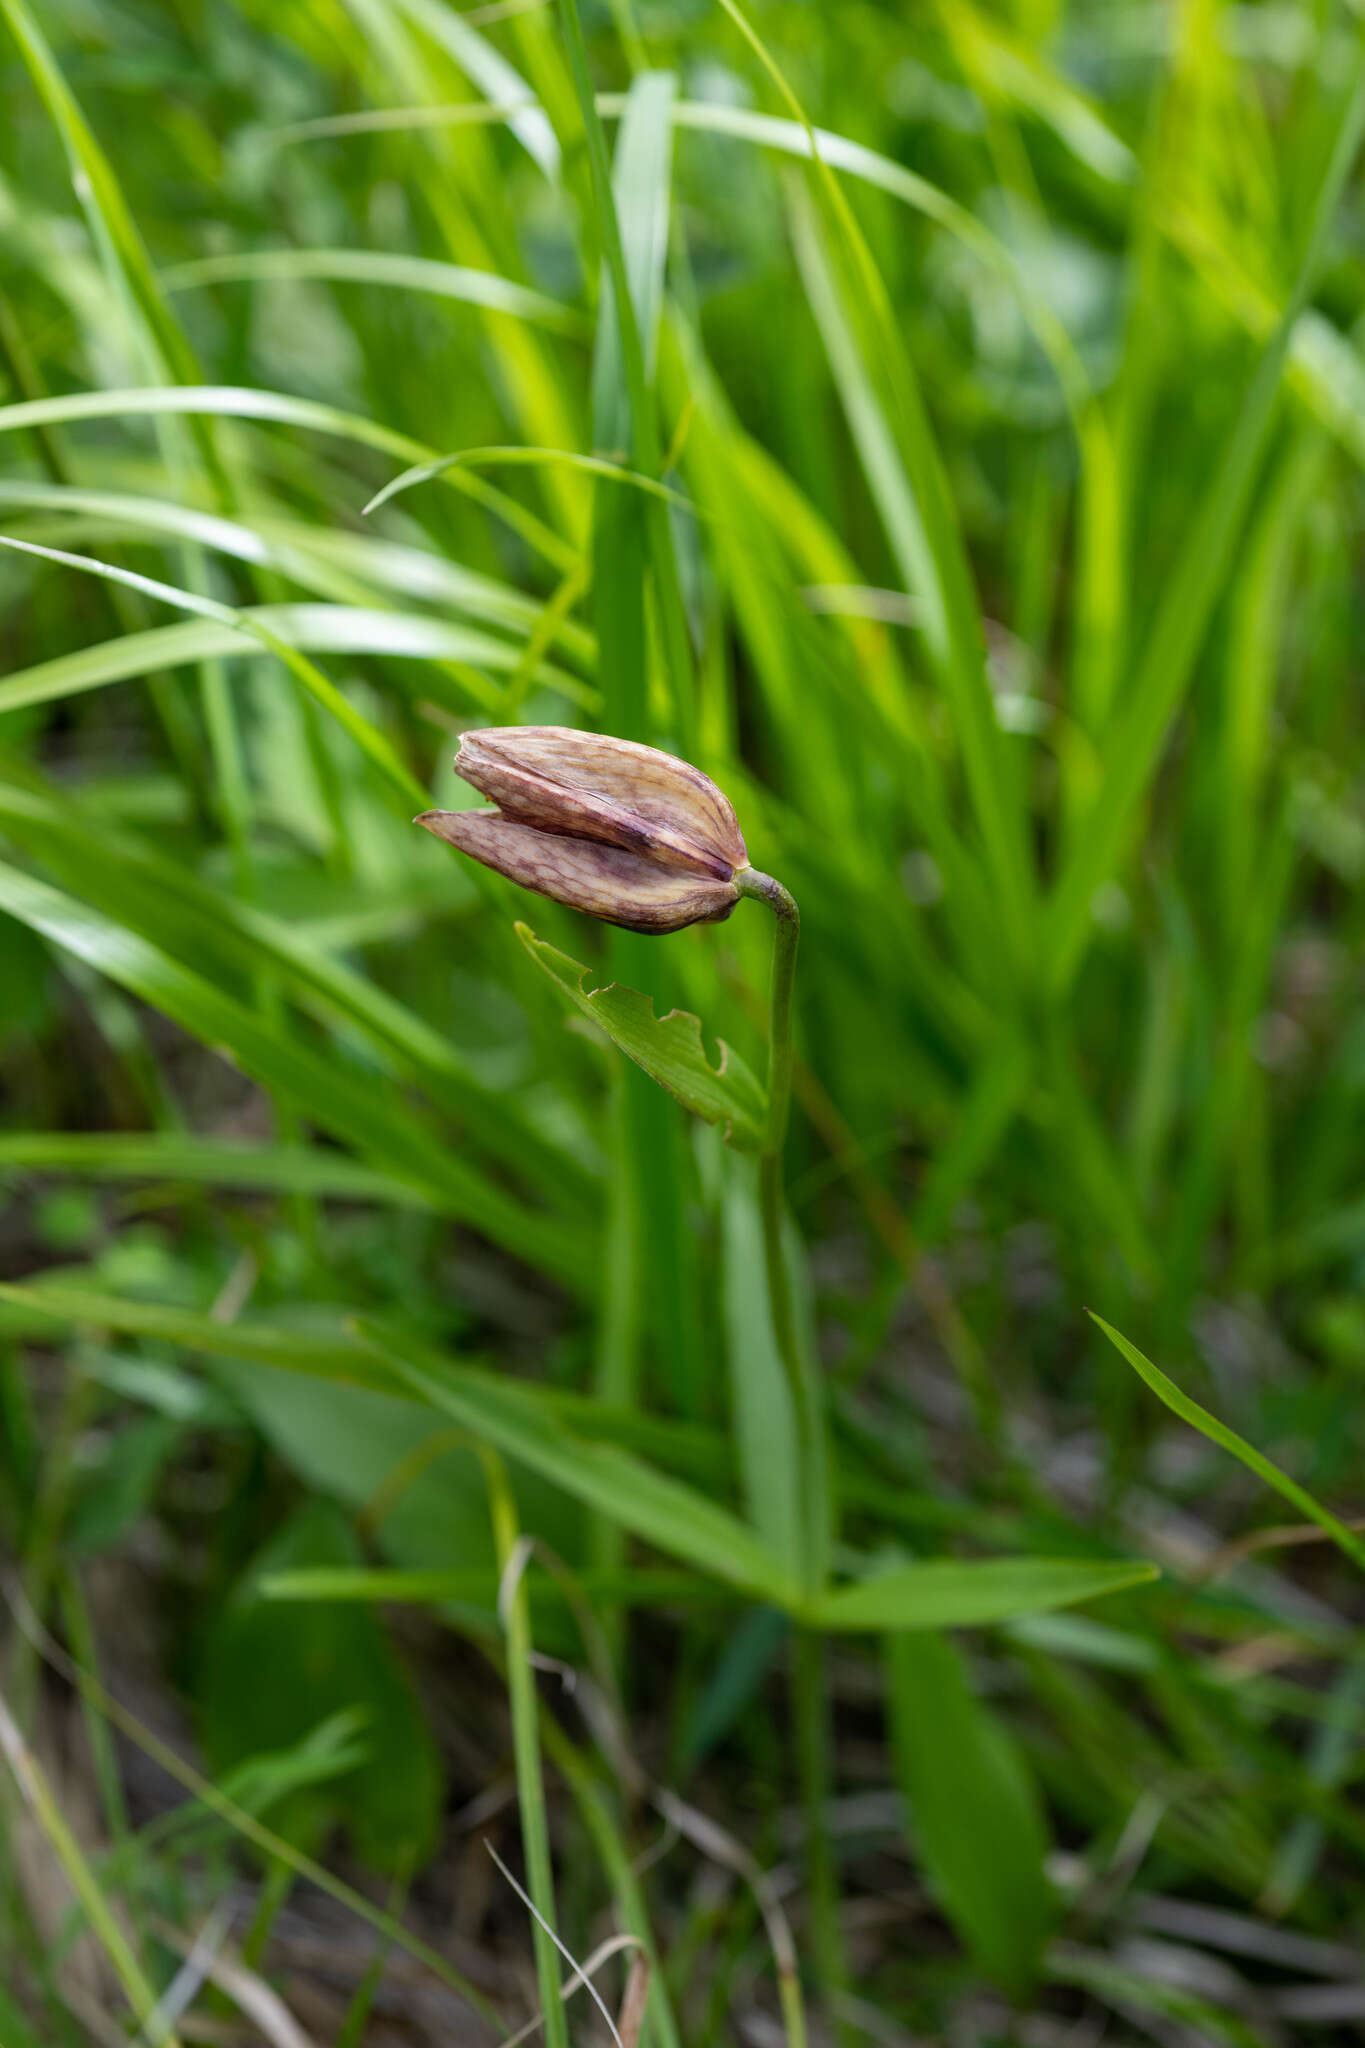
[
  {"x": 124, "y": 256},
  {"x": 633, "y": 1222},
  {"x": 525, "y": 1708},
  {"x": 661, "y": 2024},
  {"x": 38, "y": 1796}
]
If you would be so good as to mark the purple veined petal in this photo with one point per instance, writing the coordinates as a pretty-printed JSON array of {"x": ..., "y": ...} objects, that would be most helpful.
[
  {"x": 606, "y": 882},
  {"x": 594, "y": 786}
]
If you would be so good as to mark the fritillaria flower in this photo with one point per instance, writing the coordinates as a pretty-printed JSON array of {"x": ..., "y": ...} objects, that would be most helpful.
[
  {"x": 626, "y": 833},
  {"x": 639, "y": 838}
]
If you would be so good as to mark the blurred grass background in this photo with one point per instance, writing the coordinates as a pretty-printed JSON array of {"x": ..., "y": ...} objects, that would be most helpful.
[{"x": 1003, "y": 366}]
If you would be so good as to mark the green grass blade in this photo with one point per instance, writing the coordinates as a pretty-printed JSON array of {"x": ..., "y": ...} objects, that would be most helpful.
[
  {"x": 1228, "y": 1440},
  {"x": 495, "y": 78},
  {"x": 523, "y": 458},
  {"x": 886, "y": 417},
  {"x": 387, "y": 271},
  {"x": 515, "y": 1614}
]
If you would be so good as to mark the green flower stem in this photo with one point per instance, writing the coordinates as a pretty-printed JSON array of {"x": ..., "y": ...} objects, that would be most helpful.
[
  {"x": 809, "y": 1689},
  {"x": 766, "y": 889},
  {"x": 811, "y": 1716},
  {"x": 805, "y": 1396}
]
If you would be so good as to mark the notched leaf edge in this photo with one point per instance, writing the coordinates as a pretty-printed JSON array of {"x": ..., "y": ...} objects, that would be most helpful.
[{"x": 745, "y": 1133}]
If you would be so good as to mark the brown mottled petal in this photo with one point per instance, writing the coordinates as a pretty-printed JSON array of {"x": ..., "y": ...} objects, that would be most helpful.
[
  {"x": 596, "y": 786},
  {"x": 605, "y": 881}
]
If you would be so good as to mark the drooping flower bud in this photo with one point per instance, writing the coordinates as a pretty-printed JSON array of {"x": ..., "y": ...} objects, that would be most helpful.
[{"x": 626, "y": 833}]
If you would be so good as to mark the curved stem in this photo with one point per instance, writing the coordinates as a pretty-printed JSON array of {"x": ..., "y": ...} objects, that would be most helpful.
[{"x": 751, "y": 882}]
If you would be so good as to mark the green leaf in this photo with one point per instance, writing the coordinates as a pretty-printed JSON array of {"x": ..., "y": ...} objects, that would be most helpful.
[
  {"x": 976, "y": 1816},
  {"x": 489, "y": 71},
  {"x": 953, "y": 1593},
  {"x": 1218, "y": 1432},
  {"x": 112, "y": 226},
  {"x": 670, "y": 1048},
  {"x": 879, "y": 390}
]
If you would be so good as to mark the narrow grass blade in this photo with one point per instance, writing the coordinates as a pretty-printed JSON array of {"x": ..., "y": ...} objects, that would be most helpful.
[
  {"x": 522, "y": 458},
  {"x": 111, "y": 222},
  {"x": 384, "y": 269},
  {"x": 239, "y": 1820},
  {"x": 1228, "y": 1440},
  {"x": 904, "y": 472},
  {"x": 495, "y": 78},
  {"x": 222, "y": 938},
  {"x": 515, "y": 1612}
]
